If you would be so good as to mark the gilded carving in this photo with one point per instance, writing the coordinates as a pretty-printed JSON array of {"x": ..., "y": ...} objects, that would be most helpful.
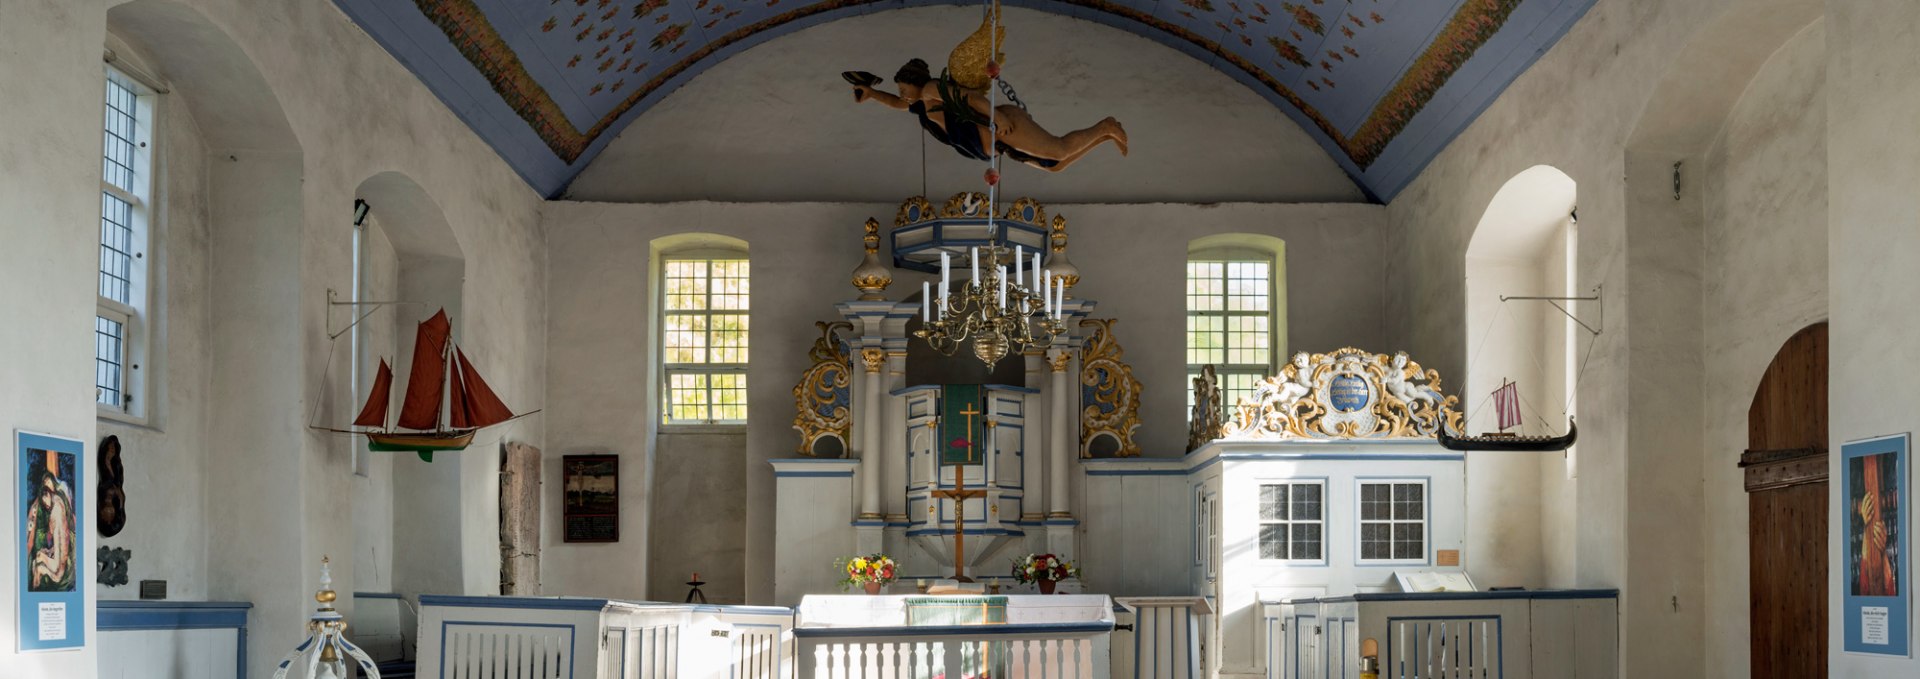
[
  {"x": 1208, "y": 419},
  {"x": 1346, "y": 394},
  {"x": 1057, "y": 360},
  {"x": 872, "y": 277},
  {"x": 1109, "y": 392},
  {"x": 822, "y": 398},
  {"x": 873, "y": 358}
]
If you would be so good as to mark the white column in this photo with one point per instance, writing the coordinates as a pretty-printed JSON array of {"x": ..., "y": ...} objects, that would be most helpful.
[
  {"x": 1035, "y": 445},
  {"x": 875, "y": 360},
  {"x": 1061, "y": 426},
  {"x": 893, "y": 432}
]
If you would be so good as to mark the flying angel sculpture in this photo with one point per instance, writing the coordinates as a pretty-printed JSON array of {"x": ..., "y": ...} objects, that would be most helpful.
[{"x": 956, "y": 109}]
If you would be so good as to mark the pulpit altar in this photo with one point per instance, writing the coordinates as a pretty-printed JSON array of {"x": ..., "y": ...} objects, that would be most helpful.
[{"x": 905, "y": 452}]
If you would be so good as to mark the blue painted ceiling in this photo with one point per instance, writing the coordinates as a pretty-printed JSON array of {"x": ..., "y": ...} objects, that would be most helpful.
[{"x": 1382, "y": 84}]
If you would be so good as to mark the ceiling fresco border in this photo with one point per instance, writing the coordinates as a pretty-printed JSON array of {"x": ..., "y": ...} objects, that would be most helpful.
[{"x": 480, "y": 45}]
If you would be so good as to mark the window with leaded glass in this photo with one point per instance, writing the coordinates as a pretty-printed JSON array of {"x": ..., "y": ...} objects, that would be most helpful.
[
  {"x": 1393, "y": 521},
  {"x": 1230, "y": 321},
  {"x": 1293, "y": 521},
  {"x": 704, "y": 340},
  {"x": 121, "y": 311}
]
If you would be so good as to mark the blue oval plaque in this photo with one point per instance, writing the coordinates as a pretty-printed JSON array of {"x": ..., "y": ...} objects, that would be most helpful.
[{"x": 1348, "y": 392}]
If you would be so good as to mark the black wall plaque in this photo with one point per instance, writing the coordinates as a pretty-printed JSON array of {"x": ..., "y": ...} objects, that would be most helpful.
[{"x": 590, "y": 498}]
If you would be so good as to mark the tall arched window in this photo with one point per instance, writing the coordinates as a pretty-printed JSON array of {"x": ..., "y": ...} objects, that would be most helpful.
[
  {"x": 704, "y": 322},
  {"x": 1236, "y": 310},
  {"x": 122, "y": 321}
]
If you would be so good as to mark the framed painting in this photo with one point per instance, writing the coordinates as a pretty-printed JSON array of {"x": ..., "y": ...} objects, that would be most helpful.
[
  {"x": 590, "y": 508},
  {"x": 52, "y": 596},
  {"x": 1876, "y": 587}
]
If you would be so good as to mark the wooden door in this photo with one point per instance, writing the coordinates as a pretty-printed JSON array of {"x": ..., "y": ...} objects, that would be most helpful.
[{"x": 1786, "y": 480}]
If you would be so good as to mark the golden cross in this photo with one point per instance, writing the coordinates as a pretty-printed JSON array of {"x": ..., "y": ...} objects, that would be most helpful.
[{"x": 969, "y": 412}]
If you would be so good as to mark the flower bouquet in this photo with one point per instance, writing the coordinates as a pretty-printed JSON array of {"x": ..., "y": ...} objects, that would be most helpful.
[
  {"x": 872, "y": 572},
  {"x": 1043, "y": 570}
]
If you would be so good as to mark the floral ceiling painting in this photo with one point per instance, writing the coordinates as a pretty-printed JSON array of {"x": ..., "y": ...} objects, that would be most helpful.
[{"x": 1382, "y": 84}]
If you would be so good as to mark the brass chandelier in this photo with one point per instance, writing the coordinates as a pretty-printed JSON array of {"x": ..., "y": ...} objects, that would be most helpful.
[{"x": 1000, "y": 311}]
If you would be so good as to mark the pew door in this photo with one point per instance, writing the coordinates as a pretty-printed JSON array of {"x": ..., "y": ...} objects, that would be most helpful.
[{"x": 1785, "y": 468}]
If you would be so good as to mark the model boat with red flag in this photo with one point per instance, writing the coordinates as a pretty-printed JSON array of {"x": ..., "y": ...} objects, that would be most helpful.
[{"x": 446, "y": 400}]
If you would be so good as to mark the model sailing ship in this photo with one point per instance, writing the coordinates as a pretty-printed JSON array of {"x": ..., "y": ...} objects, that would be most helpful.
[
  {"x": 428, "y": 422},
  {"x": 1506, "y": 405}
]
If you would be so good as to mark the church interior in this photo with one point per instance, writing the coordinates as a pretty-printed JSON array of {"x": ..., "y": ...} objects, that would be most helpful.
[{"x": 941, "y": 338}]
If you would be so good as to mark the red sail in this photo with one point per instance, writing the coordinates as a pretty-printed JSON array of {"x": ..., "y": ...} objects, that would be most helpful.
[
  {"x": 375, "y": 412},
  {"x": 421, "y": 410},
  {"x": 457, "y": 415},
  {"x": 481, "y": 407}
]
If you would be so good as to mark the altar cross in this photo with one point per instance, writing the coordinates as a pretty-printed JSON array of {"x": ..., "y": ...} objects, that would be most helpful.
[{"x": 959, "y": 494}]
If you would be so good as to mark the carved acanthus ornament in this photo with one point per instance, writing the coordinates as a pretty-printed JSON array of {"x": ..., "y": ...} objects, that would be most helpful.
[
  {"x": 874, "y": 358},
  {"x": 1057, "y": 360},
  {"x": 1208, "y": 419},
  {"x": 822, "y": 398},
  {"x": 1109, "y": 392},
  {"x": 1346, "y": 394}
]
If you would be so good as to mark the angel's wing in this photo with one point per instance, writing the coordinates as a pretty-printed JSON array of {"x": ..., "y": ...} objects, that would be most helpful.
[{"x": 967, "y": 65}]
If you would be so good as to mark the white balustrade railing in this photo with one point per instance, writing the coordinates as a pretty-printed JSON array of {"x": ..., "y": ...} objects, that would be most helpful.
[
  {"x": 573, "y": 638},
  {"x": 1162, "y": 637},
  {"x": 1066, "y": 636}
]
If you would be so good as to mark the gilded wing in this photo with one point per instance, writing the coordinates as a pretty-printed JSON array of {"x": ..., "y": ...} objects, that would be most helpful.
[{"x": 967, "y": 65}]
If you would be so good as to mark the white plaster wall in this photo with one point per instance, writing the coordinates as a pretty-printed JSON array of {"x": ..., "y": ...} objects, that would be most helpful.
[
  {"x": 1576, "y": 110},
  {"x": 776, "y": 122},
  {"x": 1133, "y": 262},
  {"x": 1503, "y": 497},
  {"x": 699, "y": 517},
  {"x": 1871, "y": 204},
  {"x": 164, "y": 459},
  {"x": 47, "y": 270},
  {"x": 373, "y": 497},
  {"x": 1765, "y": 268}
]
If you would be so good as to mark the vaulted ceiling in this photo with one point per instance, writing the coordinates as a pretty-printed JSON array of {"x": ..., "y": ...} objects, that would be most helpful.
[{"x": 1383, "y": 85}]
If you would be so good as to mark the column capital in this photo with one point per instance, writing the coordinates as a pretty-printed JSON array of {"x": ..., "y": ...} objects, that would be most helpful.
[
  {"x": 1057, "y": 359},
  {"x": 874, "y": 358}
]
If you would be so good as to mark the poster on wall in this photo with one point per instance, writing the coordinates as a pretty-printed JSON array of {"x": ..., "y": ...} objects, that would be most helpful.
[
  {"x": 53, "y": 611},
  {"x": 1877, "y": 585},
  {"x": 591, "y": 503}
]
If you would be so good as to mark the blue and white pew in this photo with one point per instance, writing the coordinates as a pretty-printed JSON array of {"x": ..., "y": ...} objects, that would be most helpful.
[
  {"x": 578, "y": 638},
  {"x": 172, "y": 639}
]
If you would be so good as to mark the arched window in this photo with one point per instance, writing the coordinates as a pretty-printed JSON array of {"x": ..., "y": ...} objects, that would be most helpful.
[
  {"x": 704, "y": 321},
  {"x": 1236, "y": 311}
]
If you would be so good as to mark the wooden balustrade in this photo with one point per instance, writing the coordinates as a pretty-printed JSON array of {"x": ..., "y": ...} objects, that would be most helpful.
[{"x": 563, "y": 637}]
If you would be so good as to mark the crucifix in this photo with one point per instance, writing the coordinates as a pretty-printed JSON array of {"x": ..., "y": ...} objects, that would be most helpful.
[{"x": 959, "y": 494}]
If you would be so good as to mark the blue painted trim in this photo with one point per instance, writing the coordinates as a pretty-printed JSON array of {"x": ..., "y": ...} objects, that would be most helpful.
[
  {"x": 1137, "y": 472},
  {"x": 1009, "y": 387},
  {"x": 846, "y": 475},
  {"x": 1542, "y": 594},
  {"x": 514, "y": 602},
  {"x": 869, "y": 522},
  {"x": 572, "y": 632},
  {"x": 125, "y": 616},
  {"x": 908, "y": 390},
  {"x": 955, "y": 630},
  {"x": 849, "y": 461},
  {"x": 376, "y": 595}
]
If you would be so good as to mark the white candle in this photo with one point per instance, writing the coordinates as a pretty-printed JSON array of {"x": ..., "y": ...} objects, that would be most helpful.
[
  {"x": 1019, "y": 274},
  {"x": 975, "y": 261},
  {"x": 1046, "y": 291},
  {"x": 943, "y": 300},
  {"x": 1037, "y": 287},
  {"x": 926, "y": 301},
  {"x": 1003, "y": 287},
  {"x": 945, "y": 272},
  {"x": 1059, "y": 298}
]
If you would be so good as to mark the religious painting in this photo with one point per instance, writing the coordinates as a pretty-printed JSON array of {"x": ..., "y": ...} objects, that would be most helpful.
[
  {"x": 590, "y": 498},
  {"x": 1875, "y": 596},
  {"x": 52, "y": 600}
]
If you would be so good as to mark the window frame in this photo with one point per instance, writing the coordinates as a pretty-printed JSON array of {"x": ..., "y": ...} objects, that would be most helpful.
[
  {"x": 669, "y": 369},
  {"x": 1360, "y": 522},
  {"x": 1326, "y": 503},
  {"x": 1276, "y": 344},
  {"x": 136, "y": 384}
]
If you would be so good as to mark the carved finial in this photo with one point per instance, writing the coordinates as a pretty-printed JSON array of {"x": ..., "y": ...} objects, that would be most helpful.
[
  {"x": 326, "y": 595},
  {"x": 872, "y": 277},
  {"x": 1068, "y": 273}
]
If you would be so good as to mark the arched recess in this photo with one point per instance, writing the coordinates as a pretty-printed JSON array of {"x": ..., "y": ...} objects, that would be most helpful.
[
  {"x": 406, "y": 251},
  {"x": 1519, "y": 503},
  {"x": 1237, "y": 373},
  {"x": 692, "y": 469},
  {"x": 262, "y": 528},
  {"x": 1699, "y": 292}
]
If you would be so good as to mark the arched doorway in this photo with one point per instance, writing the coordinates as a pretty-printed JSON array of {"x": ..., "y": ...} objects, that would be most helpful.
[{"x": 1786, "y": 480}]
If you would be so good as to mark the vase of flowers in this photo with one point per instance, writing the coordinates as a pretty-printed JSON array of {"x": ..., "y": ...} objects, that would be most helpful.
[
  {"x": 870, "y": 572},
  {"x": 1043, "y": 570}
]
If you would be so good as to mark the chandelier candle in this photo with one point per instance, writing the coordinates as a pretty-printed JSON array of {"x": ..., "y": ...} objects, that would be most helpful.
[{"x": 926, "y": 301}]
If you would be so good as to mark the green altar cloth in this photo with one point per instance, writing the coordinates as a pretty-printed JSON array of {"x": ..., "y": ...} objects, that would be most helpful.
[{"x": 956, "y": 610}]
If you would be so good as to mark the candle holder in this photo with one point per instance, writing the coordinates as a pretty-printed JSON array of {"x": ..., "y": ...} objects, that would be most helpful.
[{"x": 695, "y": 596}]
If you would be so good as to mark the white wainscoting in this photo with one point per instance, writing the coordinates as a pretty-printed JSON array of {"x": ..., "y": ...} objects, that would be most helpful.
[
  {"x": 1550, "y": 634},
  {"x": 574, "y": 638},
  {"x": 172, "y": 639},
  {"x": 1162, "y": 637}
]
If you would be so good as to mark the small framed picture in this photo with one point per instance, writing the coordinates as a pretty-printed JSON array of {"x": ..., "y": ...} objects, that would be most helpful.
[
  {"x": 590, "y": 497},
  {"x": 1876, "y": 588},
  {"x": 53, "y": 608}
]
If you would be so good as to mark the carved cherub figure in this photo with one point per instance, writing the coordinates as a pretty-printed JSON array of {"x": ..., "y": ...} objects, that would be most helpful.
[
  {"x": 1295, "y": 387},
  {"x": 1397, "y": 384}
]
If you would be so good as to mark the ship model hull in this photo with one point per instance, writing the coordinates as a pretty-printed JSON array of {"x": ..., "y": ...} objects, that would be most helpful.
[
  {"x": 1526, "y": 444},
  {"x": 424, "y": 443}
]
